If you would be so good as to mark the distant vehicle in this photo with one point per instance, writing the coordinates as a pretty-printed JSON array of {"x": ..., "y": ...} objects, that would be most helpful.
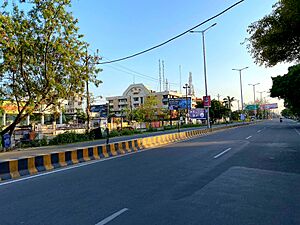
[
  {"x": 253, "y": 118},
  {"x": 280, "y": 120}
]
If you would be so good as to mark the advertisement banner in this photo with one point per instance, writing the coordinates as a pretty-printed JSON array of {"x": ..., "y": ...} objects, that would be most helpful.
[
  {"x": 206, "y": 101},
  {"x": 179, "y": 103},
  {"x": 269, "y": 106},
  {"x": 197, "y": 114}
]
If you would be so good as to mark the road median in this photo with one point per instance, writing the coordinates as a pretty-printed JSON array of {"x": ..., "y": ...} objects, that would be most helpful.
[{"x": 30, "y": 165}]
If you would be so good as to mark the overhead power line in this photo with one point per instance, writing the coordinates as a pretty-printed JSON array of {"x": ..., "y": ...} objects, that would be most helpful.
[{"x": 173, "y": 38}]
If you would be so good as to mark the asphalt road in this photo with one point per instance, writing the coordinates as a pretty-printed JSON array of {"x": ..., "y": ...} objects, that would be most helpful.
[{"x": 247, "y": 175}]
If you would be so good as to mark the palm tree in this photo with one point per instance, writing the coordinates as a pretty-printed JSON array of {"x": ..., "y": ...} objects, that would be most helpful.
[{"x": 228, "y": 104}]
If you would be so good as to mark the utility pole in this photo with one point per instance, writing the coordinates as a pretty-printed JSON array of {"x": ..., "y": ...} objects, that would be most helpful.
[
  {"x": 180, "y": 79},
  {"x": 163, "y": 74},
  {"x": 218, "y": 95},
  {"x": 88, "y": 104},
  {"x": 186, "y": 86},
  {"x": 87, "y": 91},
  {"x": 159, "y": 72}
]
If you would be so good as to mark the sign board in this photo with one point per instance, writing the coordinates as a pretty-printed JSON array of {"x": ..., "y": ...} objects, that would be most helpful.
[
  {"x": 197, "y": 114},
  {"x": 179, "y": 103},
  {"x": 101, "y": 109},
  {"x": 174, "y": 114},
  {"x": 251, "y": 107},
  {"x": 6, "y": 141},
  {"x": 242, "y": 117},
  {"x": 206, "y": 101},
  {"x": 269, "y": 106}
]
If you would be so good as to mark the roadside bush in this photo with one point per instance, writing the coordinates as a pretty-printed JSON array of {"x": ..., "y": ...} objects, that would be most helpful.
[
  {"x": 126, "y": 132},
  {"x": 114, "y": 133},
  {"x": 137, "y": 131},
  {"x": 151, "y": 129},
  {"x": 34, "y": 143},
  {"x": 70, "y": 137}
]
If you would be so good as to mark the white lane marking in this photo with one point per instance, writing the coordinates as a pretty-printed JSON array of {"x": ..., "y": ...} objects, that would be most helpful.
[
  {"x": 249, "y": 137},
  {"x": 111, "y": 217},
  {"x": 258, "y": 131},
  {"x": 217, "y": 156},
  {"x": 297, "y": 131}
]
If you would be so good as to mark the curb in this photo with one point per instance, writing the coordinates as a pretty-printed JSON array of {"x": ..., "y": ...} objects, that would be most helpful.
[{"x": 13, "y": 169}]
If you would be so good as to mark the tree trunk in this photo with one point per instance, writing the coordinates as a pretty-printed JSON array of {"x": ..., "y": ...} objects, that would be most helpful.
[{"x": 10, "y": 129}]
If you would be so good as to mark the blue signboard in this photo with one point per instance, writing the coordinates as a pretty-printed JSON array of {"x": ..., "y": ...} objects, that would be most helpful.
[
  {"x": 6, "y": 141},
  {"x": 179, "y": 103},
  {"x": 197, "y": 114},
  {"x": 101, "y": 109}
]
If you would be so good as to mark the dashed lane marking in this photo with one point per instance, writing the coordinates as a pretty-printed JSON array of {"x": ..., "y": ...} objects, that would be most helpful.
[
  {"x": 249, "y": 137},
  {"x": 111, "y": 217},
  {"x": 217, "y": 156},
  {"x": 297, "y": 131},
  {"x": 258, "y": 131}
]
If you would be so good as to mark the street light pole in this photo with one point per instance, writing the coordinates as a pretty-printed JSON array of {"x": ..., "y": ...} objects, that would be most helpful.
[
  {"x": 241, "y": 86},
  {"x": 261, "y": 92},
  {"x": 204, "y": 66},
  {"x": 254, "y": 96},
  {"x": 254, "y": 90},
  {"x": 186, "y": 86}
]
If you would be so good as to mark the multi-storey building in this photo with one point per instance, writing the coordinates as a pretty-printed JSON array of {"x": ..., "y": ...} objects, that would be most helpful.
[
  {"x": 135, "y": 95},
  {"x": 73, "y": 104}
]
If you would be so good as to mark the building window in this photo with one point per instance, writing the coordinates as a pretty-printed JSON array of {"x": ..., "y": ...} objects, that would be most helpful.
[
  {"x": 135, "y": 99},
  {"x": 142, "y": 100}
]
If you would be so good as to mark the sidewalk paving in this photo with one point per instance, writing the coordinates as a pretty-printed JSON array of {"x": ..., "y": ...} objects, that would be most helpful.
[{"x": 27, "y": 152}]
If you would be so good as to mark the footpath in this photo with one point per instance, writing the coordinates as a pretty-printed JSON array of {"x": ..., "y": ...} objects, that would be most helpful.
[{"x": 28, "y": 152}]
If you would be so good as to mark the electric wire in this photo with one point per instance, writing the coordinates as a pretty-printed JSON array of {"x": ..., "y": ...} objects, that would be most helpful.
[{"x": 173, "y": 38}]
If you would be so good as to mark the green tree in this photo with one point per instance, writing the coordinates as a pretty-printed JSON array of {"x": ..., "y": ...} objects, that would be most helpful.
[
  {"x": 287, "y": 87},
  {"x": 81, "y": 116},
  {"x": 276, "y": 37},
  {"x": 151, "y": 107},
  {"x": 217, "y": 111},
  {"x": 42, "y": 56},
  {"x": 228, "y": 104},
  {"x": 287, "y": 113}
]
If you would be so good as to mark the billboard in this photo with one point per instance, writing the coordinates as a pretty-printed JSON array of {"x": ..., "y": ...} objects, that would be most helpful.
[
  {"x": 179, "y": 103},
  {"x": 269, "y": 106},
  {"x": 206, "y": 101},
  {"x": 101, "y": 109},
  {"x": 199, "y": 113}
]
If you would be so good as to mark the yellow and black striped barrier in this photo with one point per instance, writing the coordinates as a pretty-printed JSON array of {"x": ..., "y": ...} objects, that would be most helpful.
[{"x": 34, "y": 164}]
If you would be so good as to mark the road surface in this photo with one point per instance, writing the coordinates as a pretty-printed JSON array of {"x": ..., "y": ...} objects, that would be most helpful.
[{"x": 247, "y": 175}]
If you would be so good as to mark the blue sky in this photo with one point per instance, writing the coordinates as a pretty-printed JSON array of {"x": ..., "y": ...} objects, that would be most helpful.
[{"x": 119, "y": 28}]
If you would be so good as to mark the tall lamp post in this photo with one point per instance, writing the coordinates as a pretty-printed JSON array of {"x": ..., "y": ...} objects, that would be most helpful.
[
  {"x": 261, "y": 92},
  {"x": 254, "y": 95},
  {"x": 186, "y": 87},
  {"x": 253, "y": 91},
  {"x": 241, "y": 86},
  {"x": 204, "y": 65}
]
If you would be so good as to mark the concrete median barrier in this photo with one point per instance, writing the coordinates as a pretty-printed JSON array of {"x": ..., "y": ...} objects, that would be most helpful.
[{"x": 31, "y": 165}]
